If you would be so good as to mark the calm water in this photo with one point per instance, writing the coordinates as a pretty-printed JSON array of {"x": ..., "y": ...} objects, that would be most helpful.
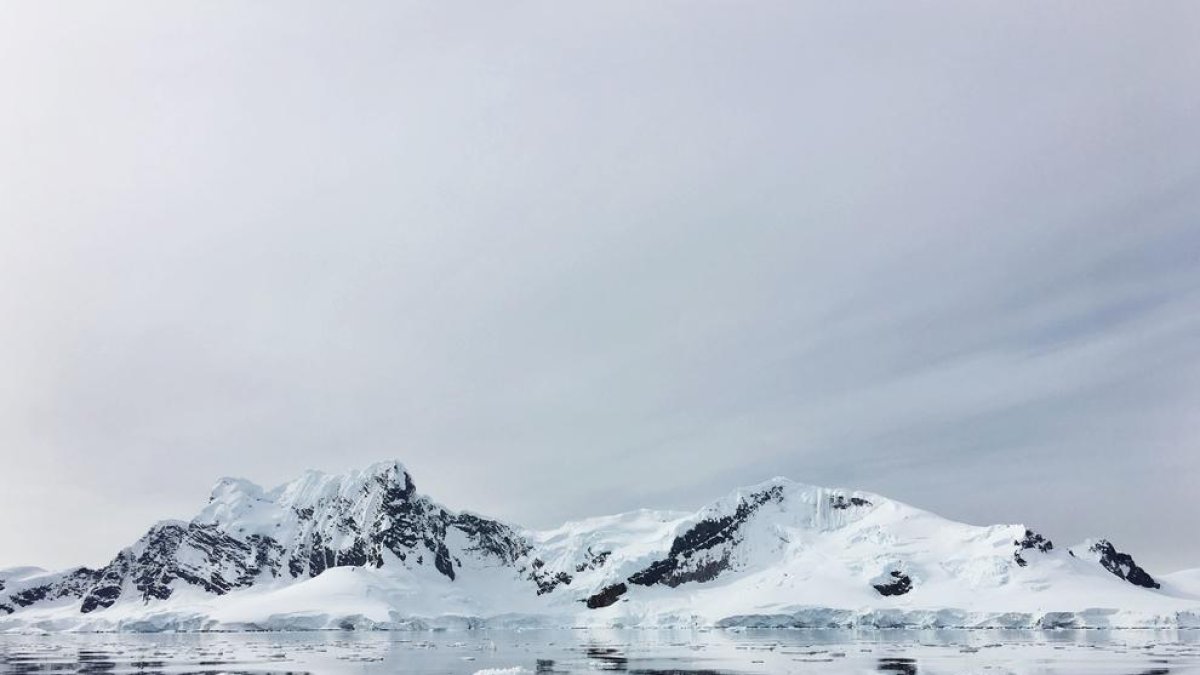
[{"x": 649, "y": 652}]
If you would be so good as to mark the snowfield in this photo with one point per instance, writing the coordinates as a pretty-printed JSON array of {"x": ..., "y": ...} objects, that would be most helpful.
[{"x": 365, "y": 550}]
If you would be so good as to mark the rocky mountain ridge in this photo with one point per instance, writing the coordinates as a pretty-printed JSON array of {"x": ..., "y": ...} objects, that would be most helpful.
[{"x": 781, "y": 546}]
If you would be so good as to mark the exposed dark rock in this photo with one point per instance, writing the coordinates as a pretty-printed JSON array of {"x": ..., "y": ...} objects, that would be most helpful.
[
  {"x": 840, "y": 502},
  {"x": 73, "y": 584},
  {"x": 217, "y": 563},
  {"x": 31, "y": 595},
  {"x": 547, "y": 580},
  {"x": 355, "y": 556},
  {"x": 684, "y": 562},
  {"x": 100, "y": 597},
  {"x": 659, "y": 571},
  {"x": 1032, "y": 541},
  {"x": 1122, "y": 565},
  {"x": 492, "y": 538},
  {"x": 607, "y": 596},
  {"x": 406, "y": 523},
  {"x": 901, "y": 583},
  {"x": 442, "y": 560},
  {"x": 268, "y": 556}
]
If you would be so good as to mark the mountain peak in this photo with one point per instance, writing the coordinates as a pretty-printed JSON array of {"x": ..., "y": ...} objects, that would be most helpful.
[{"x": 228, "y": 486}]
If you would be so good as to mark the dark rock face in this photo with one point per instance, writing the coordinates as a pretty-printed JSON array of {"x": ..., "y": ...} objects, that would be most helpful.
[
  {"x": 900, "y": 584},
  {"x": 72, "y": 584},
  {"x": 1032, "y": 541},
  {"x": 607, "y": 596},
  {"x": 221, "y": 564},
  {"x": 491, "y": 538},
  {"x": 1122, "y": 565},
  {"x": 841, "y": 503},
  {"x": 703, "y": 552},
  {"x": 546, "y": 580},
  {"x": 408, "y": 525}
]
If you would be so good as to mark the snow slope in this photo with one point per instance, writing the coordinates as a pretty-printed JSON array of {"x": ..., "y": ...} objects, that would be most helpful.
[
  {"x": 1184, "y": 583},
  {"x": 366, "y": 550}
]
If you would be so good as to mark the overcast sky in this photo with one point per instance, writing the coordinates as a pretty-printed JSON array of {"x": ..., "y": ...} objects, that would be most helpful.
[{"x": 572, "y": 258}]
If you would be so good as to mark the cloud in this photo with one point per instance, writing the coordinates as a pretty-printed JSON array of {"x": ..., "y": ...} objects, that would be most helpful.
[{"x": 563, "y": 260}]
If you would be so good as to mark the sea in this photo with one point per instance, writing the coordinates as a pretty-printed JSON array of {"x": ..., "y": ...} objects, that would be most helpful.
[{"x": 641, "y": 651}]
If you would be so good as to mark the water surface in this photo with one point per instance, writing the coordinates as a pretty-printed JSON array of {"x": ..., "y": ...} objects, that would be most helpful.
[{"x": 645, "y": 652}]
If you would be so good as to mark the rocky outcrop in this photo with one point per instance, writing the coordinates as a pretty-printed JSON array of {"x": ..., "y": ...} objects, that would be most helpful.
[
  {"x": 607, "y": 596},
  {"x": 841, "y": 503},
  {"x": 545, "y": 579},
  {"x": 197, "y": 555},
  {"x": 703, "y": 551},
  {"x": 898, "y": 584},
  {"x": 71, "y": 584},
  {"x": 1032, "y": 541},
  {"x": 1122, "y": 564}
]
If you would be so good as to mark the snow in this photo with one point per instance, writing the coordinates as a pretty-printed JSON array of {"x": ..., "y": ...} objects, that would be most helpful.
[
  {"x": 806, "y": 557},
  {"x": 1184, "y": 583}
]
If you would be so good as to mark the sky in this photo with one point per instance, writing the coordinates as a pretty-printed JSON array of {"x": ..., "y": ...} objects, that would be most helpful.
[{"x": 567, "y": 259}]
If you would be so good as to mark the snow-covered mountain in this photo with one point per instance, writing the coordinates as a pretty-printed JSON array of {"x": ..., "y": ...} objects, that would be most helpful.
[{"x": 366, "y": 550}]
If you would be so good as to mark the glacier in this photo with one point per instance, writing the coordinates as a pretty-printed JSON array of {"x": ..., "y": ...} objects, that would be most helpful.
[{"x": 366, "y": 550}]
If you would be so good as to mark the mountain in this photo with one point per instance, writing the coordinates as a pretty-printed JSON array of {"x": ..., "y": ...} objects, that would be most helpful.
[{"x": 366, "y": 550}]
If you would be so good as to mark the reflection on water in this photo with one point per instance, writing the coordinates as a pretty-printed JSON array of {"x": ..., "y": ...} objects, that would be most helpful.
[
  {"x": 898, "y": 665},
  {"x": 644, "y": 652}
]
